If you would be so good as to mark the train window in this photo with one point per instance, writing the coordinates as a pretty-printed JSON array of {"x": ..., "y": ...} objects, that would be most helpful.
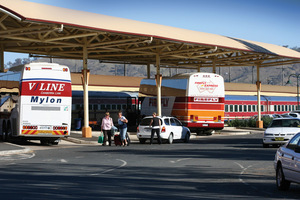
[
  {"x": 119, "y": 107},
  {"x": 245, "y": 108},
  {"x": 249, "y": 108},
  {"x": 293, "y": 107},
  {"x": 114, "y": 107},
  {"x": 236, "y": 108},
  {"x": 286, "y": 108},
  {"x": 262, "y": 108},
  {"x": 78, "y": 106},
  {"x": 282, "y": 108},
  {"x": 231, "y": 108},
  {"x": 290, "y": 108},
  {"x": 253, "y": 108},
  {"x": 102, "y": 107},
  {"x": 278, "y": 107},
  {"x": 95, "y": 106},
  {"x": 226, "y": 108},
  {"x": 275, "y": 108},
  {"x": 108, "y": 106},
  {"x": 241, "y": 108},
  {"x": 90, "y": 107}
]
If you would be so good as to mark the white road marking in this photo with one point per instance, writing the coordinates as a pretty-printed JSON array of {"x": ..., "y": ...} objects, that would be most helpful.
[
  {"x": 112, "y": 169},
  {"x": 179, "y": 160},
  {"x": 21, "y": 156},
  {"x": 63, "y": 161}
]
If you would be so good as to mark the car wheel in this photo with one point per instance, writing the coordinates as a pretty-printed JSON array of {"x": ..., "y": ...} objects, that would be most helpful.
[
  {"x": 281, "y": 183},
  {"x": 187, "y": 137},
  {"x": 265, "y": 145},
  {"x": 170, "y": 138},
  {"x": 142, "y": 140}
]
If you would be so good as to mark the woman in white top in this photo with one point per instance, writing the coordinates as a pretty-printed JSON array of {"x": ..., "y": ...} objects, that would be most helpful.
[{"x": 106, "y": 125}]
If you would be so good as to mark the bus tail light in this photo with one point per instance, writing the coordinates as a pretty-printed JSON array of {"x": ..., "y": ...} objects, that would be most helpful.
[
  {"x": 60, "y": 128},
  {"x": 192, "y": 118},
  {"x": 27, "y": 68},
  {"x": 65, "y": 69},
  {"x": 219, "y": 118},
  {"x": 163, "y": 130},
  {"x": 30, "y": 127}
]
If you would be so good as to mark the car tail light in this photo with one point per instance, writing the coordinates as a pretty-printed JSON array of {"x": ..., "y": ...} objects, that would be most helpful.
[
  {"x": 138, "y": 129},
  {"x": 163, "y": 129}
]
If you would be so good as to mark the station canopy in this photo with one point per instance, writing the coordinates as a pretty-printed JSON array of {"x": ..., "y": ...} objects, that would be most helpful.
[{"x": 38, "y": 29}]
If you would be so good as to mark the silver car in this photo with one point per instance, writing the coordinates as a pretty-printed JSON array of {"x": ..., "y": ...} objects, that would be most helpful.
[{"x": 287, "y": 163}]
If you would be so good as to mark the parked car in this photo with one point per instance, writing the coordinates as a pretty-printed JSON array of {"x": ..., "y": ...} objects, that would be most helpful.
[
  {"x": 280, "y": 131},
  {"x": 171, "y": 129},
  {"x": 287, "y": 163}
]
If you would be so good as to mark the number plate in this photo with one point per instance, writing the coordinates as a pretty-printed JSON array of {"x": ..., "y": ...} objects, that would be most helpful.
[
  {"x": 279, "y": 139},
  {"x": 45, "y": 128},
  {"x": 204, "y": 124}
]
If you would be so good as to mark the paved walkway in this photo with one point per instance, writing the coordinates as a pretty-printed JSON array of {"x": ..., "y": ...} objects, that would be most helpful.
[{"x": 76, "y": 137}]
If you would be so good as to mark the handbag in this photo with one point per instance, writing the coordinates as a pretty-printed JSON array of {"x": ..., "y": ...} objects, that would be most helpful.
[{"x": 101, "y": 138}]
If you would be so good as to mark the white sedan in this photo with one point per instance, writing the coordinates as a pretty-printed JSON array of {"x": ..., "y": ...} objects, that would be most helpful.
[
  {"x": 287, "y": 163},
  {"x": 171, "y": 129},
  {"x": 280, "y": 131}
]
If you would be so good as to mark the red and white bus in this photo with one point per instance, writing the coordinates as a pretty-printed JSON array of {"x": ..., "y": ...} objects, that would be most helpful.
[
  {"x": 196, "y": 99},
  {"x": 43, "y": 107}
]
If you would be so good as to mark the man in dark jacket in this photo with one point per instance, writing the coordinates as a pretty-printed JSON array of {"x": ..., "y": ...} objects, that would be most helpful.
[{"x": 156, "y": 125}]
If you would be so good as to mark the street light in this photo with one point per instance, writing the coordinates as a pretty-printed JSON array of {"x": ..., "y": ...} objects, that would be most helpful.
[{"x": 288, "y": 82}]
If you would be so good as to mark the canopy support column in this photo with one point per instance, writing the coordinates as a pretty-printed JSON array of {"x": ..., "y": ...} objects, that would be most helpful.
[
  {"x": 199, "y": 68},
  {"x": 86, "y": 129},
  {"x": 148, "y": 70},
  {"x": 259, "y": 123},
  {"x": 158, "y": 79},
  {"x": 214, "y": 66},
  {"x": 1, "y": 58}
]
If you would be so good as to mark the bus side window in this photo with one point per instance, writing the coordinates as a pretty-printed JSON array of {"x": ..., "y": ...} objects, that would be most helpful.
[{"x": 226, "y": 108}]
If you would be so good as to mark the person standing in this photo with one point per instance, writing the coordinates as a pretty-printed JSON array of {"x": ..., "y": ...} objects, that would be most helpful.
[
  {"x": 106, "y": 125},
  {"x": 122, "y": 122},
  {"x": 156, "y": 125}
]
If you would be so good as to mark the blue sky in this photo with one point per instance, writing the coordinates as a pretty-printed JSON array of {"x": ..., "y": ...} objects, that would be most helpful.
[{"x": 269, "y": 21}]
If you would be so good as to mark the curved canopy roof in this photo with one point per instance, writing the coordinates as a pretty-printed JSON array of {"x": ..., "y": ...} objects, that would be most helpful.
[{"x": 28, "y": 27}]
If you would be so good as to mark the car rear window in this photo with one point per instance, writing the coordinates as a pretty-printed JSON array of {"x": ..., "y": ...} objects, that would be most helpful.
[
  {"x": 285, "y": 123},
  {"x": 146, "y": 121}
]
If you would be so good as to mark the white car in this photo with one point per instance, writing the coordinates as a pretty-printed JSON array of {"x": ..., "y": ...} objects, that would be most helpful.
[
  {"x": 287, "y": 163},
  {"x": 171, "y": 129},
  {"x": 280, "y": 131}
]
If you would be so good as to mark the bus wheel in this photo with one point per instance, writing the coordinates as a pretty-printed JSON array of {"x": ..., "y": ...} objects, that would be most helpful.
[
  {"x": 8, "y": 133},
  {"x": 3, "y": 137},
  {"x": 170, "y": 138},
  {"x": 44, "y": 142}
]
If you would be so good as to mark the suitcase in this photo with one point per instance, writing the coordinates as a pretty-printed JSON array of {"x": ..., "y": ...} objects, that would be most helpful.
[{"x": 117, "y": 140}]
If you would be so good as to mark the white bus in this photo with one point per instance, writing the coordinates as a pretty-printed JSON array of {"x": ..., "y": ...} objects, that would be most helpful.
[
  {"x": 42, "y": 109},
  {"x": 196, "y": 99}
]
